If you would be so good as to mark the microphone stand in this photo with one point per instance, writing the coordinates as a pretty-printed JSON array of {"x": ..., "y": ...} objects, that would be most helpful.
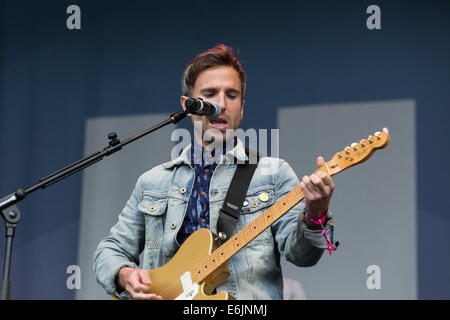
[{"x": 11, "y": 214}]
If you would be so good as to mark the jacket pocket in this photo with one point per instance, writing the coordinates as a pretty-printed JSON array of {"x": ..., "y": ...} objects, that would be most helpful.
[
  {"x": 154, "y": 209},
  {"x": 152, "y": 205}
]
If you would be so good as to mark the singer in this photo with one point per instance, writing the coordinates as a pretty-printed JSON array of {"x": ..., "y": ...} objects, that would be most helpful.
[{"x": 173, "y": 200}]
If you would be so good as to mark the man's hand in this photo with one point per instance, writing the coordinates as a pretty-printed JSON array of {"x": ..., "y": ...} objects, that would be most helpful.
[
  {"x": 136, "y": 282},
  {"x": 317, "y": 189}
]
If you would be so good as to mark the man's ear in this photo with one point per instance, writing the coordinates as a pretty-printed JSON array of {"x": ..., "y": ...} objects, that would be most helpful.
[
  {"x": 182, "y": 101},
  {"x": 242, "y": 109}
]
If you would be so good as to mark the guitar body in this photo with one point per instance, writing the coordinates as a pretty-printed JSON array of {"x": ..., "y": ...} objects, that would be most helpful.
[{"x": 166, "y": 280}]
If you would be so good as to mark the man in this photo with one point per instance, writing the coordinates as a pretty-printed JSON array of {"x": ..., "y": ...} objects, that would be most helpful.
[{"x": 176, "y": 198}]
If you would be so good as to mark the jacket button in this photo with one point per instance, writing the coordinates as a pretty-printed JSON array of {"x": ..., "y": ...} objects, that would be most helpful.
[
  {"x": 173, "y": 225},
  {"x": 183, "y": 190},
  {"x": 254, "y": 203},
  {"x": 263, "y": 197},
  {"x": 216, "y": 191}
]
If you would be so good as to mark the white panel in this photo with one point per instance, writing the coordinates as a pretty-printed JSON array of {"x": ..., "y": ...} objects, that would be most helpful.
[
  {"x": 374, "y": 203},
  {"x": 108, "y": 184}
]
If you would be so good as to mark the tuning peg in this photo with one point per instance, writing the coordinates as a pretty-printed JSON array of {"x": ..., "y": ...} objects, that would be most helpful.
[
  {"x": 362, "y": 143},
  {"x": 386, "y": 130},
  {"x": 347, "y": 152}
]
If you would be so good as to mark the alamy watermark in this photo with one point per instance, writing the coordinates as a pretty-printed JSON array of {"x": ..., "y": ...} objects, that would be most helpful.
[
  {"x": 374, "y": 280},
  {"x": 374, "y": 20},
  {"x": 74, "y": 20},
  {"x": 74, "y": 280},
  {"x": 219, "y": 144}
]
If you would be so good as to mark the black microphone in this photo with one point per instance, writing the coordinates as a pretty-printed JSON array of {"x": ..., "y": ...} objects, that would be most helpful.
[{"x": 209, "y": 109}]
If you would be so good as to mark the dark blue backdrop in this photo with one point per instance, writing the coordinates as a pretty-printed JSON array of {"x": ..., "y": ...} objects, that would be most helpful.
[{"x": 128, "y": 58}]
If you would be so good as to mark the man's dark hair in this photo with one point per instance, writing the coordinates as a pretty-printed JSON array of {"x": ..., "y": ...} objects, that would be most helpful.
[{"x": 220, "y": 55}]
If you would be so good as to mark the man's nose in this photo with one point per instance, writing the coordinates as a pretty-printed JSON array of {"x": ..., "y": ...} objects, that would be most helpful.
[{"x": 222, "y": 101}]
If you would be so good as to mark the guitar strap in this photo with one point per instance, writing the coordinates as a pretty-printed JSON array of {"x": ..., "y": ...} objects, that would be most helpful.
[{"x": 232, "y": 205}]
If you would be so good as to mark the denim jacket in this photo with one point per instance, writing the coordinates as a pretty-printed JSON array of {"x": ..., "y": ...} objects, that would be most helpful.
[{"x": 155, "y": 211}]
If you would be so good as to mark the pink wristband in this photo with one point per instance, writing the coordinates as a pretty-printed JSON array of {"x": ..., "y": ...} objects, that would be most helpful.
[
  {"x": 317, "y": 220},
  {"x": 320, "y": 222}
]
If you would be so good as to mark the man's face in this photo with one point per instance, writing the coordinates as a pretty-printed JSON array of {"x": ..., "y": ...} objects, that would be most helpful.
[{"x": 222, "y": 85}]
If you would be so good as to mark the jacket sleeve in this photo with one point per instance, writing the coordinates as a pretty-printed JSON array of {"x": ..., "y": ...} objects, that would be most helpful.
[
  {"x": 296, "y": 242},
  {"x": 122, "y": 246}
]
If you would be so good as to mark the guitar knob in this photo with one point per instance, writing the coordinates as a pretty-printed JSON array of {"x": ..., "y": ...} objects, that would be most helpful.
[{"x": 222, "y": 236}]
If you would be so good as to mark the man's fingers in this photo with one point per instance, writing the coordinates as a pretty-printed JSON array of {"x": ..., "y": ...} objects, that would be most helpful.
[
  {"x": 323, "y": 182},
  {"x": 144, "y": 277},
  {"x": 136, "y": 281},
  {"x": 326, "y": 179},
  {"x": 317, "y": 182},
  {"x": 139, "y": 287},
  {"x": 307, "y": 188},
  {"x": 146, "y": 296}
]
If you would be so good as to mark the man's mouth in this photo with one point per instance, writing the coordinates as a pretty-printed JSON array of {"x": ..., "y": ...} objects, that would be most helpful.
[{"x": 219, "y": 123}]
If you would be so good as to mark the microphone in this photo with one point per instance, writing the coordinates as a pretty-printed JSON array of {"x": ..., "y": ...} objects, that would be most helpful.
[{"x": 209, "y": 109}]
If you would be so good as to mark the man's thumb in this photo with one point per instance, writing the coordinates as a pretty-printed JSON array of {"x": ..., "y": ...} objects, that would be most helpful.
[{"x": 320, "y": 161}]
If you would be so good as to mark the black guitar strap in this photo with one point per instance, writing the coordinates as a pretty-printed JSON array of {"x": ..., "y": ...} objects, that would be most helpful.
[{"x": 232, "y": 205}]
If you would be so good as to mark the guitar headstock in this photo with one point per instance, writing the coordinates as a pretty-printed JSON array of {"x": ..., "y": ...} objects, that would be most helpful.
[{"x": 358, "y": 152}]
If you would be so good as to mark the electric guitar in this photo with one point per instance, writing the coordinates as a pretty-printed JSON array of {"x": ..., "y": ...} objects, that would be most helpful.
[{"x": 199, "y": 265}]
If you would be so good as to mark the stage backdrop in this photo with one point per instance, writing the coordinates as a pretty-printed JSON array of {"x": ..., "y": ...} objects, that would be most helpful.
[{"x": 125, "y": 62}]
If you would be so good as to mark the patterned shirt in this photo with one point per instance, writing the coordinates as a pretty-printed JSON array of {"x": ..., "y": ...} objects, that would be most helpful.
[{"x": 197, "y": 214}]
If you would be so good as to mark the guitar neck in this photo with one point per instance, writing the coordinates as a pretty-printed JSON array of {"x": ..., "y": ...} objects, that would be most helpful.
[{"x": 222, "y": 254}]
